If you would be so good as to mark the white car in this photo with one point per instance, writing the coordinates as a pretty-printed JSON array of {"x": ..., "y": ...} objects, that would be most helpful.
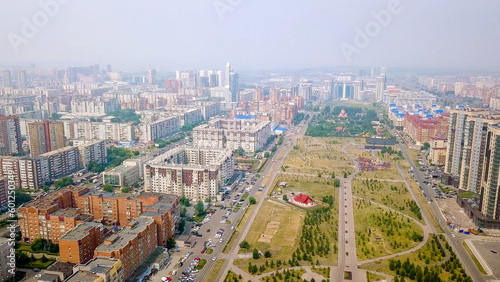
[{"x": 214, "y": 258}]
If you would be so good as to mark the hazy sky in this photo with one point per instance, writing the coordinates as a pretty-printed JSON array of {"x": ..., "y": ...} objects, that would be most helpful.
[{"x": 251, "y": 34}]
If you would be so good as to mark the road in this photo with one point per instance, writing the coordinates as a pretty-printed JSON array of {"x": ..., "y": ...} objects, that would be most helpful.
[
  {"x": 455, "y": 242},
  {"x": 271, "y": 167},
  {"x": 347, "y": 255}
]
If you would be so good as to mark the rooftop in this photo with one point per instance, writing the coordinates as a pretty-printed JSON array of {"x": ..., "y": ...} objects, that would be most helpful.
[
  {"x": 123, "y": 237},
  {"x": 80, "y": 231},
  {"x": 82, "y": 276}
]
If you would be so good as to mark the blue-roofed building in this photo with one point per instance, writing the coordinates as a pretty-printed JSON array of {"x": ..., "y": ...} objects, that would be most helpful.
[
  {"x": 243, "y": 117},
  {"x": 279, "y": 130}
]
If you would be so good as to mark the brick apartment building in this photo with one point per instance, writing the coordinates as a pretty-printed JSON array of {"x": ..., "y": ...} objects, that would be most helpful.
[
  {"x": 422, "y": 130},
  {"x": 78, "y": 244},
  {"x": 132, "y": 245},
  {"x": 72, "y": 205}
]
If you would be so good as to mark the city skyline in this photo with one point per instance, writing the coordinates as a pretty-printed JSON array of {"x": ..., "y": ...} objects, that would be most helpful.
[{"x": 250, "y": 35}]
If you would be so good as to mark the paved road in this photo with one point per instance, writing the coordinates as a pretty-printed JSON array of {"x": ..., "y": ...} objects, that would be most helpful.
[
  {"x": 347, "y": 255},
  {"x": 271, "y": 167},
  {"x": 455, "y": 242}
]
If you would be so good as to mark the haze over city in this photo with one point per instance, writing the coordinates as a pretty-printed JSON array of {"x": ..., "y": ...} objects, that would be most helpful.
[{"x": 170, "y": 35}]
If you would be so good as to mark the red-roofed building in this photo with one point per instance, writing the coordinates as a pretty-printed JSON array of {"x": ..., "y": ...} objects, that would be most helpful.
[{"x": 303, "y": 200}]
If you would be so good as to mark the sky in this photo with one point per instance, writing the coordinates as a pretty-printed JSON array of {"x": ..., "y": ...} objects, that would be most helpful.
[{"x": 251, "y": 34}]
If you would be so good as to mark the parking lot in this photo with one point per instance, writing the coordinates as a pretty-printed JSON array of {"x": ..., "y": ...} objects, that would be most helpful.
[
  {"x": 490, "y": 252},
  {"x": 454, "y": 213}
]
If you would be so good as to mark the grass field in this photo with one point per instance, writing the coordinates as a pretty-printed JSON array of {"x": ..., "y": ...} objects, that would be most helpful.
[
  {"x": 392, "y": 194},
  {"x": 318, "y": 155},
  {"x": 214, "y": 271},
  {"x": 380, "y": 232},
  {"x": 314, "y": 187},
  {"x": 370, "y": 277},
  {"x": 430, "y": 255},
  {"x": 283, "y": 242},
  {"x": 390, "y": 173},
  {"x": 474, "y": 258},
  {"x": 292, "y": 275}
]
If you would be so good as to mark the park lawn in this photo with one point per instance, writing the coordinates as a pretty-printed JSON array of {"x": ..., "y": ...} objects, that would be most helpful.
[
  {"x": 214, "y": 271},
  {"x": 231, "y": 276},
  {"x": 38, "y": 264},
  {"x": 413, "y": 153},
  {"x": 283, "y": 242},
  {"x": 314, "y": 187},
  {"x": 372, "y": 235},
  {"x": 281, "y": 277},
  {"x": 382, "y": 193},
  {"x": 324, "y": 271},
  {"x": 370, "y": 276},
  {"x": 427, "y": 250},
  {"x": 390, "y": 173},
  {"x": 318, "y": 155}
]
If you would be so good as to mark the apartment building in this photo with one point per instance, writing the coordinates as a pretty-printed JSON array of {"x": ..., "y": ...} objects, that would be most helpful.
[
  {"x": 132, "y": 244},
  {"x": 490, "y": 203},
  {"x": 98, "y": 105},
  {"x": 78, "y": 245},
  {"x": 63, "y": 161},
  {"x": 251, "y": 135},
  {"x": 93, "y": 151},
  {"x": 10, "y": 135},
  {"x": 117, "y": 132},
  {"x": 474, "y": 146},
  {"x": 160, "y": 129},
  {"x": 456, "y": 135},
  {"x": 421, "y": 130},
  {"x": 437, "y": 151},
  {"x": 4, "y": 188},
  {"x": 45, "y": 136},
  {"x": 4, "y": 260},
  {"x": 24, "y": 172},
  {"x": 196, "y": 173},
  {"x": 97, "y": 270},
  {"x": 70, "y": 206}
]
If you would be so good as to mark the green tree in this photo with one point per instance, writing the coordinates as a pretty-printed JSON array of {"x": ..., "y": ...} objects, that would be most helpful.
[
  {"x": 252, "y": 201},
  {"x": 182, "y": 225},
  {"x": 240, "y": 152},
  {"x": 171, "y": 243},
  {"x": 63, "y": 182},
  {"x": 107, "y": 188},
  {"x": 285, "y": 198},
  {"x": 184, "y": 201},
  {"x": 44, "y": 259},
  {"x": 21, "y": 198},
  {"x": 125, "y": 190},
  {"x": 244, "y": 245},
  {"x": 96, "y": 167},
  {"x": 200, "y": 209},
  {"x": 255, "y": 254},
  {"x": 267, "y": 254}
]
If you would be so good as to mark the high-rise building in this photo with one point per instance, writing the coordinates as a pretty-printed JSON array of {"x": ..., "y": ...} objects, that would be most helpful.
[
  {"x": 10, "y": 135},
  {"x": 3, "y": 192},
  {"x": 456, "y": 135},
  {"x": 305, "y": 91},
  {"x": 22, "y": 80},
  {"x": 358, "y": 87},
  {"x": 151, "y": 77},
  {"x": 234, "y": 88},
  {"x": 380, "y": 87},
  {"x": 490, "y": 203},
  {"x": 474, "y": 146},
  {"x": 7, "y": 78},
  {"x": 195, "y": 173},
  {"x": 45, "y": 136},
  {"x": 227, "y": 75}
]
